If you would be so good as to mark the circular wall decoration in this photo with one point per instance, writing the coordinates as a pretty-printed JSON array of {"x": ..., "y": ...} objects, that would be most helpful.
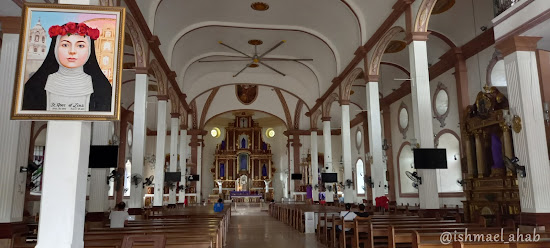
[
  {"x": 246, "y": 93},
  {"x": 270, "y": 133},
  {"x": 440, "y": 103},
  {"x": 215, "y": 132},
  {"x": 403, "y": 119},
  {"x": 129, "y": 138},
  {"x": 358, "y": 139},
  {"x": 259, "y": 6}
]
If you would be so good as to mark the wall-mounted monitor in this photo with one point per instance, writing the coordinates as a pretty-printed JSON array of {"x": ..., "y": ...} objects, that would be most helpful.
[
  {"x": 103, "y": 157},
  {"x": 329, "y": 177},
  {"x": 428, "y": 158},
  {"x": 296, "y": 176},
  {"x": 172, "y": 176}
]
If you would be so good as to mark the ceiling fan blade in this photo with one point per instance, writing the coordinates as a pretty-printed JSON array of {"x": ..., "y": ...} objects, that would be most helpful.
[
  {"x": 225, "y": 60},
  {"x": 243, "y": 69},
  {"x": 272, "y": 68},
  {"x": 273, "y": 48},
  {"x": 221, "y": 43},
  {"x": 277, "y": 59}
]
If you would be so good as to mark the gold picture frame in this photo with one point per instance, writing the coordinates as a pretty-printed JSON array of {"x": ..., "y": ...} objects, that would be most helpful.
[{"x": 73, "y": 88}]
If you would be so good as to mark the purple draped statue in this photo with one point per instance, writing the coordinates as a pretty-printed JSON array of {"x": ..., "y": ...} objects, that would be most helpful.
[
  {"x": 496, "y": 149},
  {"x": 222, "y": 170},
  {"x": 264, "y": 171}
]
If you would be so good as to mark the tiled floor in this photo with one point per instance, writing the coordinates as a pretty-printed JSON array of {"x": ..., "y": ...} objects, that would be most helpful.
[{"x": 259, "y": 230}]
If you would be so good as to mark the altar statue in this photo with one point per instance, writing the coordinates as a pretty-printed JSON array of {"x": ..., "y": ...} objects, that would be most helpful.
[{"x": 243, "y": 159}]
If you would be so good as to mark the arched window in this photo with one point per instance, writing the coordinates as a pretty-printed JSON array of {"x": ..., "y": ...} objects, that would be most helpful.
[
  {"x": 447, "y": 179},
  {"x": 35, "y": 50},
  {"x": 360, "y": 168},
  {"x": 36, "y": 38},
  {"x": 43, "y": 39}
]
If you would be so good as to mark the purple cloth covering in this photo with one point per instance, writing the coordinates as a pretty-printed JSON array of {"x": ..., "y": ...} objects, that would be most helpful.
[
  {"x": 309, "y": 192},
  {"x": 496, "y": 149},
  {"x": 264, "y": 171},
  {"x": 222, "y": 170}
]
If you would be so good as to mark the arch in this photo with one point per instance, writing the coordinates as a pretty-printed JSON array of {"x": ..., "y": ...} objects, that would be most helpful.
[
  {"x": 449, "y": 131},
  {"x": 285, "y": 108},
  {"x": 403, "y": 195},
  {"x": 207, "y": 105},
  {"x": 200, "y": 25},
  {"x": 160, "y": 77},
  {"x": 380, "y": 48},
  {"x": 313, "y": 119},
  {"x": 443, "y": 37},
  {"x": 423, "y": 16},
  {"x": 138, "y": 41},
  {"x": 360, "y": 183},
  {"x": 328, "y": 103},
  {"x": 297, "y": 112},
  {"x": 193, "y": 106},
  {"x": 153, "y": 13},
  {"x": 396, "y": 66},
  {"x": 174, "y": 101},
  {"x": 183, "y": 117},
  {"x": 345, "y": 87}
]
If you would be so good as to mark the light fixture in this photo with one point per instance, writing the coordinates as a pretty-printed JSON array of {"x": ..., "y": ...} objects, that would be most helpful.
[
  {"x": 215, "y": 132},
  {"x": 259, "y": 6},
  {"x": 455, "y": 157},
  {"x": 414, "y": 144},
  {"x": 270, "y": 133},
  {"x": 385, "y": 145}
]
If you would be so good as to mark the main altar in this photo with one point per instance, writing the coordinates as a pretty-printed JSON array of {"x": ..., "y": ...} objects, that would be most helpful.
[{"x": 243, "y": 167}]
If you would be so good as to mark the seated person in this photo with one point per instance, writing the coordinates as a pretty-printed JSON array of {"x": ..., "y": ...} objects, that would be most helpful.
[
  {"x": 346, "y": 215},
  {"x": 119, "y": 217},
  {"x": 362, "y": 212},
  {"x": 218, "y": 207}
]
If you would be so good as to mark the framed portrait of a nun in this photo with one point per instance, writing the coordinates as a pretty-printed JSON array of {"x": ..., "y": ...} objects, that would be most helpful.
[{"x": 70, "y": 63}]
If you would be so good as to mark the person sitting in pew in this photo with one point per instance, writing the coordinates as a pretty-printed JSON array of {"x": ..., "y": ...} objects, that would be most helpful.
[
  {"x": 119, "y": 217},
  {"x": 218, "y": 207},
  {"x": 346, "y": 215},
  {"x": 362, "y": 212}
]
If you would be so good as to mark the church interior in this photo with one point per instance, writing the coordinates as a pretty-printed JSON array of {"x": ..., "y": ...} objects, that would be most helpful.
[{"x": 432, "y": 116}]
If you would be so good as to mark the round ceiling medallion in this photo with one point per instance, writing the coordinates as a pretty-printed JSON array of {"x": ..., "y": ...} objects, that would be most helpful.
[
  {"x": 442, "y": 6},
  {"x": 395, "y": 46},
  {"x": 253, "y": 65},
  {"x": 259, "y": 6},
  {"x": 255, "y": 42}
]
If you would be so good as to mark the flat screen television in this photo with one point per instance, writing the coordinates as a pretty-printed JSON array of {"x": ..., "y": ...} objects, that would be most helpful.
[
  {"x": 103, "y": 157},
  {"x": 193, "y": 178},
  {"x": 329, "y": 177},
  {"x": 427, "y": 158},
  {"x": 296, "y": 176},
  {"x": 172, "y": 176}
]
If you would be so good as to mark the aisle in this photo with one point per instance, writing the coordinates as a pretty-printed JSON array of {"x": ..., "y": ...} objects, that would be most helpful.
[{"x": 260, "y": 230}]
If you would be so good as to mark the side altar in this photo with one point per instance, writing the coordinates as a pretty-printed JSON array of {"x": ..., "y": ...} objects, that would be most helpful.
[{"x": 243, "y": 161}]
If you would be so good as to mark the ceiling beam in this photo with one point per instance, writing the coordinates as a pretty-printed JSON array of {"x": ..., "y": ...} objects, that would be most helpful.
[
  {"x": 398, "y": 9},
  {"x": 154, "y": 44},
  {"x": 446, "y": 62}
]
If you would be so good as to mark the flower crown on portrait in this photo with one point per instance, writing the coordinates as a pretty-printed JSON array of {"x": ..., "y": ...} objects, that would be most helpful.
[{"x": 72, "y": 28}]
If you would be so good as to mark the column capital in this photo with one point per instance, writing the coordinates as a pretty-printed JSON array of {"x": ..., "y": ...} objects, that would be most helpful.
[
  {"x": 141, "y": 70},
  {"x": 517, "y": 43},
  {"x": 416, "y": 36},
  {"x": 373, "y": 78},
  {"x": 175, "y": 115},
  {"x": 325, "y": 118},
  {"x": 11, "y": 24},
  {"x": 162, "y": 97}
]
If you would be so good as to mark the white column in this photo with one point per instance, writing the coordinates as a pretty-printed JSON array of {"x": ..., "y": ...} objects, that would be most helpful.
[
  {"x": 375, "y": 138},
  {"x": 314, "y": 165},
  {"x": 530, "y": 143},
  {"x": 346, "y": 154},
  {"x": 328, "y": 154},
  {"x": 173, "y": 153},
  {"x": 63, "y": 201},
  {"x": 161, "y": 141},
  {"x": 199, "y": 170},
  {"x": 65, "y": 175},
  {"x": 15, "y": 137},
  {"x": 99, "y": 189},
  {"x": 184, "y": 146},
  {"x": 139, "y": 137},
  {"x": 422, "y": 116}
]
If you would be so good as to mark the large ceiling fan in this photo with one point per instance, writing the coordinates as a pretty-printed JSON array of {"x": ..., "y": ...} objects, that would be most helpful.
[{"x": 255, "y": 59}]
